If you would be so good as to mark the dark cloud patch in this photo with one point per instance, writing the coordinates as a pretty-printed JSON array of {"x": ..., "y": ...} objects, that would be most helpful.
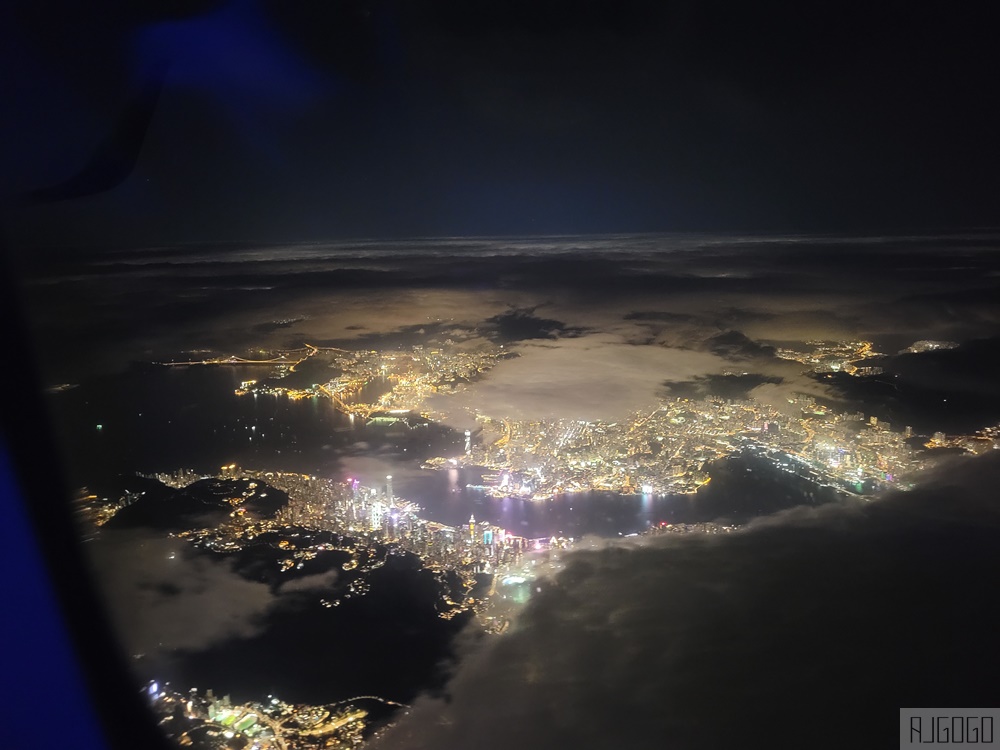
[
  {"x": 848, "y": 610},
  {"x": 166, "y": 589},
  {"x": 660, "y": 317},
  {"x": 274, "y": 325},
  {"x": 733, "y": 316},
  {"x": 691, "y": 389},
  {"x": 737, "y": 346},
  {"x": 736, "y": 387},
  {"x": 521, "y": 324}
]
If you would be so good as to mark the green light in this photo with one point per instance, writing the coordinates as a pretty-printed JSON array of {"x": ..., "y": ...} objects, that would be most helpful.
[{"x": 100, "y": 427}]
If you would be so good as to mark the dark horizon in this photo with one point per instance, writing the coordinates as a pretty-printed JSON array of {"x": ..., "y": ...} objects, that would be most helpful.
[{"x": 21, "y": 249}]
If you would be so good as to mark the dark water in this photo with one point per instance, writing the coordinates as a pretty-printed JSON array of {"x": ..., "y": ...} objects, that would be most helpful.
[
  {"x": 743, "y": 486},
  {"x": 951, "y": 404},
  {"x": 152, "y": 419}
]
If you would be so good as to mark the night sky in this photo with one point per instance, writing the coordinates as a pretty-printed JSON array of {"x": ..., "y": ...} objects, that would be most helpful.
[{"x": 243, "y": 120}]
